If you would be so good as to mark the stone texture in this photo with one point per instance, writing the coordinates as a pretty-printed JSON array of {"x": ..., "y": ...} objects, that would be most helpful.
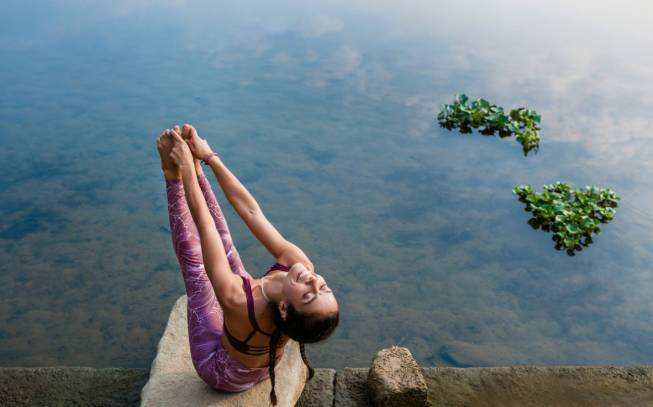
[
  {"x": 351, "y": 388},
  {"x": 174, "y": 382},
  {"x": 319, "y": 391},
  {"x": 71, "y": 386},
  {"x": 540, "y": 386},
  {"x": 395, "y": 379}
]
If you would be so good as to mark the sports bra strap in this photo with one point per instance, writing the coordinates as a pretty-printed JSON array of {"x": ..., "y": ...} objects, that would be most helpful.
[
  {"x": 247, "y": 287},
  {"x": 277, "y": 266},
  {"x": 243, "y": 346}
]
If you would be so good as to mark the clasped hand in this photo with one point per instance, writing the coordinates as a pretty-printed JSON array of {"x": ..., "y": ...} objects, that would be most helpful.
[{"x": 188, "y": 146}]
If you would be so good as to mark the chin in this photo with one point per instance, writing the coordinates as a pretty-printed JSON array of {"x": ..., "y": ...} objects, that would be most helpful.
[{"x": 293, "y": 274}]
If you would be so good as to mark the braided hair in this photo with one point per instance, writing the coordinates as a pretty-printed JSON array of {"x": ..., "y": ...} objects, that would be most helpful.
[
  {"x": 311, "y": 371},
  {"x": 274, "y": 342},
  {"x": 303, "y": 328}
]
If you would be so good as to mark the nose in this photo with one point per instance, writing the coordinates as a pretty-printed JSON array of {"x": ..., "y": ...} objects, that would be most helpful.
[{"x": 315, "y": 284}]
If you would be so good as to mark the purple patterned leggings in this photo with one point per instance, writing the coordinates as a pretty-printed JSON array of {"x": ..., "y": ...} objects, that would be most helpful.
[{"x": 205, "y": 317}]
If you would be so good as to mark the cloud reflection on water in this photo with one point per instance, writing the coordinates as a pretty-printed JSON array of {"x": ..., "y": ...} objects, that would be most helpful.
[{"x": 327, "y": 110}]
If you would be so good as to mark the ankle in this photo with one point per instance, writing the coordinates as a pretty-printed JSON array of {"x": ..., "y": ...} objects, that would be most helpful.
[
  {"x": 198, "y": 168},
  {"x": 172, "y": 174}
]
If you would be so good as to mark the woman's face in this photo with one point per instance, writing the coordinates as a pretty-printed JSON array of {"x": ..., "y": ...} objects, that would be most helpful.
[{"x": 308, "y": 292}]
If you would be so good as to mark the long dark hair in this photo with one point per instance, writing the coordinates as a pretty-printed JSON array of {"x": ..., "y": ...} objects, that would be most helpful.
[{"x": 303, "y": 328}]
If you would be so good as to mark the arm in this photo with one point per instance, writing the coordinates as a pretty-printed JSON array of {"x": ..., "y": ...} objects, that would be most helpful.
[
  {"x": 225, "y": 284},
  {"x": 250, "y": 212},
  {"x": 245, "y": 205}
]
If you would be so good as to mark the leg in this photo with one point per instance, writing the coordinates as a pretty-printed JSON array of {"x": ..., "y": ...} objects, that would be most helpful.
[
  {"x": 221, "y": 224},
  {"x": 204, "y": 314}
]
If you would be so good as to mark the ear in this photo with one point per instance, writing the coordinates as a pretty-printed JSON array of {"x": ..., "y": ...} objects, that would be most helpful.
[{"x": 283, "y": 309}]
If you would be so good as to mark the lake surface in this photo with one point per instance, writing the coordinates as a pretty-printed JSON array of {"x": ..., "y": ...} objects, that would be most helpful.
[{"x": 326, "y": 113}]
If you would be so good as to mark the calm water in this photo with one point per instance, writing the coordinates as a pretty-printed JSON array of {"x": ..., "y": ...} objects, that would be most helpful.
[{"x": 326, "y": 113}]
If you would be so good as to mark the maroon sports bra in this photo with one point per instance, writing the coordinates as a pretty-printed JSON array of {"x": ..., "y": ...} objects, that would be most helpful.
[{"x": 243, "y": 346}]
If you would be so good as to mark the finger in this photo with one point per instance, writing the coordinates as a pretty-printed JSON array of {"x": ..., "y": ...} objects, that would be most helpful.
[{"x": 175, "y": 131}]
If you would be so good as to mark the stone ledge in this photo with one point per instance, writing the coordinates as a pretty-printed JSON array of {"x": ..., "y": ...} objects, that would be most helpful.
[
  {"x": 540, "y": 386},
  {"x": 70, "y": 386},
  {"x": 351, "y": 387},
  {"x": 450, "y": 387},
  {"x": 320, "y": 390}
]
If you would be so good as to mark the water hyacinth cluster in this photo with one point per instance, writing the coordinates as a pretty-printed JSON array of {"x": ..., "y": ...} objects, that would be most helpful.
[
  {"x": 490, "y": 119},
  {"x": 572, "y": 215}
]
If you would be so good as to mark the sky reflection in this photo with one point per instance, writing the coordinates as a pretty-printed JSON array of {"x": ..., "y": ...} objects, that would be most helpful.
[{"x": 326, "y": 112}]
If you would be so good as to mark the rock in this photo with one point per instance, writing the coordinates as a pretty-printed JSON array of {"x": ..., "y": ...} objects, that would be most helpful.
[
  {"x": 318, "y": 392},
  {"x": 395, "y": 379},
  {"x": 351, "y": 388},
  {"x": 174, "y": 382}
]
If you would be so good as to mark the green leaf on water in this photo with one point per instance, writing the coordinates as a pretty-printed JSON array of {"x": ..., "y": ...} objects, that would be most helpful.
[
  {"x": 572, "y": 229},
  {"x": 491, "y": 119},
  {"x": 572, "y": 215}
]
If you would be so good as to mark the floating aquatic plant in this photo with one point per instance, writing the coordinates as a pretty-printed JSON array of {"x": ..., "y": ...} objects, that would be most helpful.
[
  {"x": 572, "y": 215},
  {"x": 490, "y": 119}
]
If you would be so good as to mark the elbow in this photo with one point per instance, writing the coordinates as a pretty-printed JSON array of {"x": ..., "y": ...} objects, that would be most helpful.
[
  {"x": 244, "y": 207},
  {"x": 250, "y": 212}
]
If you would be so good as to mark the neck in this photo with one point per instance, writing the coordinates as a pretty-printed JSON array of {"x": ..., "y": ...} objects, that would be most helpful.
[{"x": 272, "y": 286}]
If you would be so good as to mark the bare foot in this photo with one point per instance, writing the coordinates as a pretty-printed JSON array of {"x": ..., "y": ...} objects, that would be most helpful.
[
  {"x": 186, "y": 133},
  {"x": 164, "y": 145}
]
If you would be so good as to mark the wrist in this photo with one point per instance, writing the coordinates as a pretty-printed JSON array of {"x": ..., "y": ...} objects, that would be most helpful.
[{"x": 208, "y": 157}]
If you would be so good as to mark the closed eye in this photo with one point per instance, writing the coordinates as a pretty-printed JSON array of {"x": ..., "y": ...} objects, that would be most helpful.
[{"x": 311, "y": 300}]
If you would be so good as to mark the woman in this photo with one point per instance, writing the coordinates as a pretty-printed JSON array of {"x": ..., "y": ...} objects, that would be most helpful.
[{"x": 237, "y": 325}]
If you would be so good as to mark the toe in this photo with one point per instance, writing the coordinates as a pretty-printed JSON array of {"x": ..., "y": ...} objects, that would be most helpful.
[
  {"x": 185, "y": 131},
  {"x": 193, "y": 132},
  {"x": 174, "y": 136},
  {"x": 171, "y": 136}
]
